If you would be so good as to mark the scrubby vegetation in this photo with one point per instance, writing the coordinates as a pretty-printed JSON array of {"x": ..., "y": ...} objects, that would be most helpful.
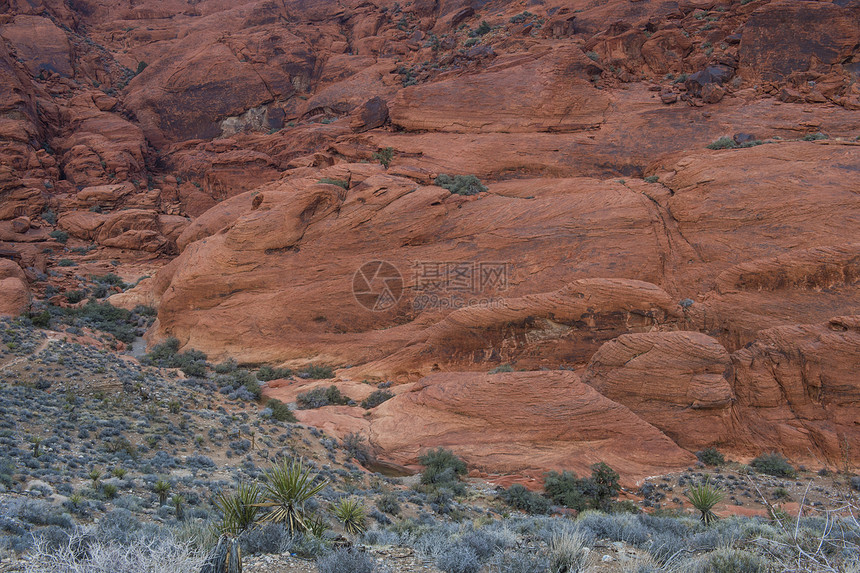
[
  {"x": 110, "y": 465},
  {"x": 460, "y": 184}
]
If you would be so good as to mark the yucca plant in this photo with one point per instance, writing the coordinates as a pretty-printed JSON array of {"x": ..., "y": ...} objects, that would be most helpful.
[
  {"x": 238, "y": 510},
  {"x": 316, "y": 526},
  {"x": 95, "y": 475},
  {"x": 288, "y": 486},
  {"x": 161, "y": 488},
  {"x": 178, "y": 503},
  {"x": 704, "y": 497},
  {"x": 351, "y": 514}
]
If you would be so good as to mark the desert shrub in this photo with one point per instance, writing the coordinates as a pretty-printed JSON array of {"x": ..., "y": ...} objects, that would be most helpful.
[
  {"x": 84, "y": 552},
  {"x": 75, "y": 296},
  {"x": 388, "y": 503},
  {"x": 280, "y": 411},
  {"x": 519, "y": 561},
  {"x": 773, "y": 463},
  {"x": 269, "y": 538},
  {"x": 225, "y": 367},
  {"x": 317, "y": 372},
  {"x": 319, "y": 397},
  {"x": 345, "y": 560},
  {"x": 576, "y": 493},
  {"x": 723, "y": 143},
  {"x": 191, "y": 362},
  {"x": 118, "y": 322},
  {"x": 267, "y": 373},
  {"x": 814, "y": 136},
  {"x": 50, "y": 217},
  {"x": 567, "y": 553},
  {"x": 376, "y": 398},
  {"x": 519, "y": 497},
  {"x": 384, "y": 156},
  {"x": 460, "y": 184},
  {"x": 339, "y": 182},
  {"x": 66, "y": 263},
  {"x": 652, "y": 179},
  {"x": 711, "y": 456},
  {"x": 483, "y": 29},
  {"x": 855, "y": 482},
  {"x": 441, "y": 467},
  {"x": 728, "y": 560},
  {"x": 354, "y": 444},
  {"x": 458, "y": 558},
  {"x": 60, "y": 236},
  {"x": 566, "y": 489},
  {"x": 501, "y": 368}
]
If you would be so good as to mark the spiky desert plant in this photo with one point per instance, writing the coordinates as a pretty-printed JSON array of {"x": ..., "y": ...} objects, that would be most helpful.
[
  {"x": 161, "y": 487},
  {"x": 95, "y": 475},
  {"x": 568, "y": 552},
  {"x": 704, "y": 497},
  {"x": 351, "y": 514},
  {"x": 178, "y": 503},
  {"x": 238, "y": 510},
  {"x": 288, "y": 486}
]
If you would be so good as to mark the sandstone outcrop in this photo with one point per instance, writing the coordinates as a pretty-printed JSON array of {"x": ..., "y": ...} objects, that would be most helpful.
[{"x": 561, "y": 424}]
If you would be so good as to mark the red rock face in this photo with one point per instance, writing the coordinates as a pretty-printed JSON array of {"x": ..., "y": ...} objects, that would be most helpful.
[{"x": 704, "y": 296}]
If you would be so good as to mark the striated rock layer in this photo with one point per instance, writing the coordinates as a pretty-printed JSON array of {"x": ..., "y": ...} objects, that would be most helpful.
[{"x": 275, "y": 163}]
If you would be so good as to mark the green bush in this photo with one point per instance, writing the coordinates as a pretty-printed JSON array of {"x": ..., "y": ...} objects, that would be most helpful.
[
  {"x": 339, "y": 182},
  {"x": 75, "y": 296},
  {"x": 384, "y": 156},
  {"x": 318, "y": 372},
  {"x": 814, "y": 136},
  {"x": 376, "y": 398},
  {"x": 442, "y": 468},
  {"x": 66, "y": 263},
  {"x": 519, "y": 497},
  {"x": 711, "y": 456},
  {"x": 50, "y": 217},
  {"x": 652, "y": 179},
  {"x": 60, "y": 236},
  {"x": 596, "y": 491},
  {"x": 566, "y": 489},
  {"x": 191, "y": 362},
  {"x": 460, "y": 184},
  {"x": 280, "y": 411},
  {"x": 267, "y": 373},
  {"x": 319, "y": 397},
  {"x": 773, "y": 464},
  {"x": 723, "y": 143},
  {"x": 387, "y": 503},
  {"x": 501, "y": 368}
]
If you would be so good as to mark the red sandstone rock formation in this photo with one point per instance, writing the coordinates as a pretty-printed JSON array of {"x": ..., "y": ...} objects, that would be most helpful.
[{"x": 237, "y": 148}]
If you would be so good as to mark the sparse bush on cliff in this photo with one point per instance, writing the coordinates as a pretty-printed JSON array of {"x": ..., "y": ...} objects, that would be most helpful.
[
  {"x": 319, "y": 397},
  {"x": 267, "y": 373},
  {"x": 460, "y": 184},
  {"x": 774, "y": 464},
  {"x": 317, "y": 372},
  {"x": 339, "y": 182},
  {"x": 376, "y": 398}
]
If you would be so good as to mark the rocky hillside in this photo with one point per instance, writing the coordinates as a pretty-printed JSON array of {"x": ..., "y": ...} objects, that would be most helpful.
[{"x": 565, "y": 231}]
